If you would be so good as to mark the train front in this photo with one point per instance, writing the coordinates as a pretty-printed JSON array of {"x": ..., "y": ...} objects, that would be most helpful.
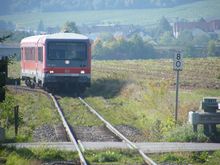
[{"x": 67, "y": 62}]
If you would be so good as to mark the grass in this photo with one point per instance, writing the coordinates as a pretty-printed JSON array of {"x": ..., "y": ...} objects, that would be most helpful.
[
  {"x": 198, "y": 158},
  {"x": 77, "y": 114},
  {"x": 38, "y": 156},
  {"x": 193, "y": 74},
  {"x": 145, "y": 17},
  {"x": 32, "y": 114},
  {"x": 141, "y": 94},
  {"x": 123, "y": 157},
  {"x": 35, "y": 156}
]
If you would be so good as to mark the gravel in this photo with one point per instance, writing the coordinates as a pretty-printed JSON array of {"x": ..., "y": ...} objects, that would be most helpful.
[
  {"x": 94, "y": 133},
  {"x": 50, "y": 133},
  {"x": 62, "y": 163},
  {"x": 47, "y": 133},
  {"x": 133, "y": 134}
]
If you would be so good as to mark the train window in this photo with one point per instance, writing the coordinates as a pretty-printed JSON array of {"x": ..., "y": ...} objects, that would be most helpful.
[
  {"x": 67, "y": 51},
  {"x": 29, "y": 53},
  {"x": 40, "y": 54}
]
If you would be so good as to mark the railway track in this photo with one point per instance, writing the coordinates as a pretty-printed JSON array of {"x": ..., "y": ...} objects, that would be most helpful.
[
  {"x": 71, "y": 134},
  {"x": 108, "y": 125},
  {"x": 64, "y": 121},
  {"x": 118, "y": 134},
  {"x": 69, "y": 131},
  {"x": 142, "y": 148}
]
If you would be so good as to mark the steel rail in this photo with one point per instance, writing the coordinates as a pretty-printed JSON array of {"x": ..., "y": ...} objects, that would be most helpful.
[
  {"x": 117, "y": 133},
  {"x": 69, "y": 132},
  {"x": 17, "y": 87},
  {"x": 73, "y": 139},
  {"x": 65, "y": 124}
]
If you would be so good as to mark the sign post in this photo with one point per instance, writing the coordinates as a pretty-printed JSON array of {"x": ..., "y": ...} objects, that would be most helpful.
[
  {"x": 16, "y": 119},
  {"x": 177, "y": 66}
]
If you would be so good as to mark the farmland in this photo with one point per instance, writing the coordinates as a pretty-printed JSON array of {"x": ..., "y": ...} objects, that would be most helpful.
[
  {"x": 140, "y": 94},
  {"x": 145, "y": 17},
  {"x": 137, "y": 94}
]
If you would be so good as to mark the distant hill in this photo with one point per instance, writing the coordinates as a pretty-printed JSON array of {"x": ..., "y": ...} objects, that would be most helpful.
[
  {"x": 148, "y": 18},
  {"x": 11, "y": 6}
]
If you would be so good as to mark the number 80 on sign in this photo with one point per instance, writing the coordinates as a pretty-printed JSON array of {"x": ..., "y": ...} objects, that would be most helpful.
[{"x": 178, "y": 62}]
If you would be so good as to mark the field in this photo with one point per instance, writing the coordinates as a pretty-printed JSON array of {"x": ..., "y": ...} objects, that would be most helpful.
[
  {"x": 146, "y": 17},
  {"x": 141, "y": 94},
  {"x": 138, "y": 94}
]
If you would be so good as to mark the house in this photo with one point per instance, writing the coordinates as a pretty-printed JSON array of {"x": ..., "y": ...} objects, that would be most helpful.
[{"x": 202, "y": 24}]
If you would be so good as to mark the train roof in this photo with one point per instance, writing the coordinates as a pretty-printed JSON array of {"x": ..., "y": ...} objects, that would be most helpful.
[{"x": 67, "y": 36}]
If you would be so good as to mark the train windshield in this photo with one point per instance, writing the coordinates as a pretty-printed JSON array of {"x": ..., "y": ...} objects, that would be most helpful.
[{"x": 67, "y": 51}]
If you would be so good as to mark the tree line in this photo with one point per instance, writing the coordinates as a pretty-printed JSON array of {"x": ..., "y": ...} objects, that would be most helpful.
[
  {"x": 10, "y": 6},
  {"x": 140, "y": 45},
  {"x": 120, "y": 48}
]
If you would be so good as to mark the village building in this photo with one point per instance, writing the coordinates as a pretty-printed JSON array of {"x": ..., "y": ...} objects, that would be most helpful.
[{"x": 202, "y": 24}]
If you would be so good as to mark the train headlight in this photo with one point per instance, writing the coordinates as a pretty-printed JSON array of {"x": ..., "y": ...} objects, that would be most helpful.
[
  {"x": 51, "y": 72},
  {"x": 82, "y": 72},
  {"x": 67, "y": 62}
]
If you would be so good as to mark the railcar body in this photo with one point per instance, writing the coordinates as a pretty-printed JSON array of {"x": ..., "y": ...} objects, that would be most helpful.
[{"x": 56, "y": 60}]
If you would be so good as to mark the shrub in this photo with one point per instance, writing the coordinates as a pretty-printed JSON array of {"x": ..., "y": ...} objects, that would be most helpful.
[
  {"x": 108, "y": 156},
  {"x": 6, "y": 111},
  {"x": 173, "y": 158},
  {"x": 48, "y": 155},
  {"x": 185, "y": 134},
  {"x": 200, "y": 157}
]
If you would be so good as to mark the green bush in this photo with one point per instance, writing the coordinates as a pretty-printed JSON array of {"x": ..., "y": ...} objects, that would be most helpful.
[
  {"x": 108, "y": 156},
  {"x": 6, "y": 111},
  {"x": 48, "y": 155},
  {"x": 185, "y": 134},
  {"x": 213, "y": 159},
  {"x": 200, "y": 157},
  {"x": 175, "y": 158}
]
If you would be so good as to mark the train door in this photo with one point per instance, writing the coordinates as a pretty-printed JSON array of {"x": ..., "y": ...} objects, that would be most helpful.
[
  {"x": 22, "y": 59},
  {"x": 39, "y": 64},
  {"x": 36, "y": 64}
]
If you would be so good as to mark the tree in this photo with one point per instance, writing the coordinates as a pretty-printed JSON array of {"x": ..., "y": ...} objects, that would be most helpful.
[
  {"x": 189, "y": 50},
  {"x": 4, "y": 37},
  {"x": 40, "y": 26},
  {"x": 185, "y": 38},
  {"x": 166, "y": 38},
  {"x": 97, "y": 48},
  {"x": 162, "y": 27},
  {"x": 201, "y": 39},
  {"x": 70, "y": 27},
  {"x": 211, "y": 48},
  {"x": 6, "y": 25}
]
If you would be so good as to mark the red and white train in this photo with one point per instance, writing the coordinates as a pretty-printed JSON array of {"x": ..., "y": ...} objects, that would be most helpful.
[{"x": 56, "y": 61}]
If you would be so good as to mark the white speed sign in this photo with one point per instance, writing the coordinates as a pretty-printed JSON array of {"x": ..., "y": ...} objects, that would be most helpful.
[{"x": 178, "y": 61}]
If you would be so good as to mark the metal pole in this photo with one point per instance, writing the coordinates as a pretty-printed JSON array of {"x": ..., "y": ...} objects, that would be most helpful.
[
  {"x": 177, "y": 95},
  {"x": 16, "y": 119},
  {"x": 16, "y": 86}
]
